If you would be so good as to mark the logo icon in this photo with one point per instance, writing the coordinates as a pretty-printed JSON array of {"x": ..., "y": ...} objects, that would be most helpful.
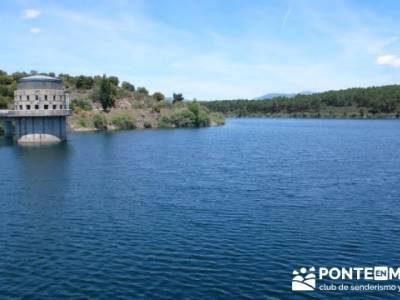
[
  {"x": 381, "y": 273},
  {"x": 305, "y": 280}
]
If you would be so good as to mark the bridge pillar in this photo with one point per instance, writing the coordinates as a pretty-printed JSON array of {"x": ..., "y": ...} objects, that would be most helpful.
[{"x": 8, "y": 128}]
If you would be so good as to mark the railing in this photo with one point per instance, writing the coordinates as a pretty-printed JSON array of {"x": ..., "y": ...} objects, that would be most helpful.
[{"x": 35, "y": 113}]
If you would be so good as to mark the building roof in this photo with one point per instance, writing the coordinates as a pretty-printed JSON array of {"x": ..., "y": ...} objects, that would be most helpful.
[
  {"x": 39, "y": 82},
  {"x": 38, "y": 78}
]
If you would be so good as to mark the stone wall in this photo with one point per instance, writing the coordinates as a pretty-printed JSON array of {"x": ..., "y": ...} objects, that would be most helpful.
[{"x": 49, "y": 99}]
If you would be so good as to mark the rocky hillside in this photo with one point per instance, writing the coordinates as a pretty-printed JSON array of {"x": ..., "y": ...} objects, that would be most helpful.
[{"x": 103, "y": 103}]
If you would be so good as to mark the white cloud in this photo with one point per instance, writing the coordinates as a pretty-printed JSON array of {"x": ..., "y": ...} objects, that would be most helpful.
[
  {"x": 389, "y": 60},
  {"x": 31, "y": 13},
  {"x": 35, "y": 30}
]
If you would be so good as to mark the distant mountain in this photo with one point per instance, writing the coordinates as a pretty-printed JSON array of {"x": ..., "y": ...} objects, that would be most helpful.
[{"x": 287, "y": 95}]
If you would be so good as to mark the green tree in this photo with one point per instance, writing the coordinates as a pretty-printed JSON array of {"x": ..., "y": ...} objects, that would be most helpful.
[
  {"x": 106, "y": 94},
  {"x": 143, "y": 91},
  {"x": 3, "y": 102},
  {"x": 84, "y": 82},
  {"x": 114, "y": 80},
  {"x": 158, "y": 96},
  {"x": 177, "y": 98},
  {"x": 201, "y": 118},
  {"x": 128, "y": 86}
]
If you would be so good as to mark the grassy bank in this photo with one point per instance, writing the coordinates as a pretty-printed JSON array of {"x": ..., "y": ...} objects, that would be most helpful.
[{"x": 160, "y": 115}]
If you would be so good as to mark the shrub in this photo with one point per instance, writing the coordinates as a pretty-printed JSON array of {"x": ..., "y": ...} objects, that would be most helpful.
[
  {"x": 83, "y": 120},
  {"x": 147, "y": 124},
  {"x": 107, "y": 93},
  {"x": 200, "y": 113},
  {"x": 158, "y": 96},
  {"x": 83, "y": 104},
  {"x": 124, "y": 120},
  {"x": 157, "y": 106},
  {"x": 100, "y": 121},
  {"x": 84, "y": 82},
  {"x": 217, "y": 118},
  {"x": 128, "y": 86},
  {"x": 177, "y": 98},
  {"x": 77, "y": 110},
  {"x": 164, "y": 122},
  {"x": 143, "y": 91},
  {"x": 114, "y": 80},
  {"x": 183, "y": 118},
  {"x": 3, "y": 102},
  {"x": 6, "y": 79},
  {"x": 6, "y": 91}
]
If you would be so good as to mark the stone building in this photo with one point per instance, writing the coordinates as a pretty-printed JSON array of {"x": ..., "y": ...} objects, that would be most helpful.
[{"x": 41, "y": 107}]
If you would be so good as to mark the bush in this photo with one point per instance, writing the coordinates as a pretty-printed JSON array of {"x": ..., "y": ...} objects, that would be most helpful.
[
  {"x": 164, "y": 122},
  {"x": 183, "y": 118},
  {"x": 84, "y": 82},
  {"x": 107, "y": 93},
  {"x": 7, "y": 80},
  {"x": 83, "y": 121},
  {"x": 83, "y": 104},
  {"x": 114, "y": 80},
  {"x": 143, "y": 91},
  {"x": 100, "y": 121},
  {"x": 200, "y": 113},
  {"x": 217, "y": 118},
  {"x": 158, "y": 96},
  {"x": 6, "y": 91},
  {"x": 4, "y": 102},
  {"x": 147, "y": 124},
  {"x": 124, "y": 120},
  {"x": 177, "y": 98},
  {"x": 157, "y": 106},
  {"x": 128, "y": 86}
]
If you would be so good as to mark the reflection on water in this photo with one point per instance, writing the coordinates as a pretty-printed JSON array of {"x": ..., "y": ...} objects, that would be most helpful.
[{"x": 44, "y": 169}]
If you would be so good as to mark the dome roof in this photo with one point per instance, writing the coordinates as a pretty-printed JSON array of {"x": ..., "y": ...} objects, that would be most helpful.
[{"x": 39, "y": 82}]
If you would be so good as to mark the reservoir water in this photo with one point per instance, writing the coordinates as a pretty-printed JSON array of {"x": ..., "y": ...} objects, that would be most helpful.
[{"x": 216, "y": 213}]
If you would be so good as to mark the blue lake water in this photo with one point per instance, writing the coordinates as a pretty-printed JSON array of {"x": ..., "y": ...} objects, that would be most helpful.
[{"x": 214, "y": 213}]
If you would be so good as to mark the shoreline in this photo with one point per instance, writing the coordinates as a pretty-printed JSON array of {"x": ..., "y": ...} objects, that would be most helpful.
[{"x": 313, "y": 117}]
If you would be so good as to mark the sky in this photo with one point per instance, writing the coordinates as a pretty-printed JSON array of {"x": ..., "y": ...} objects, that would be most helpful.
[{"x": 208, "y": 49}]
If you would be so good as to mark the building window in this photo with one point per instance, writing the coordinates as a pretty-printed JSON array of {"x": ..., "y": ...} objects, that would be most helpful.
[
  {"x": 46, "y": 106},
  {"x": 36, "y": 106},
  {"x": 54, "y": 106},
  {"x": 20, "y": 98},
  {"x": 61, "y": 107},
  {"x": 27, "y": 98},
  {"x": 28, "y": 107},
  {"x": 20, "y": 107},
  {"x": 45, "y": 97},
  {"x": 36, "y": 97},
  {"x": 54, "y": 97},
  {"x": 61, "y": 97}
]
